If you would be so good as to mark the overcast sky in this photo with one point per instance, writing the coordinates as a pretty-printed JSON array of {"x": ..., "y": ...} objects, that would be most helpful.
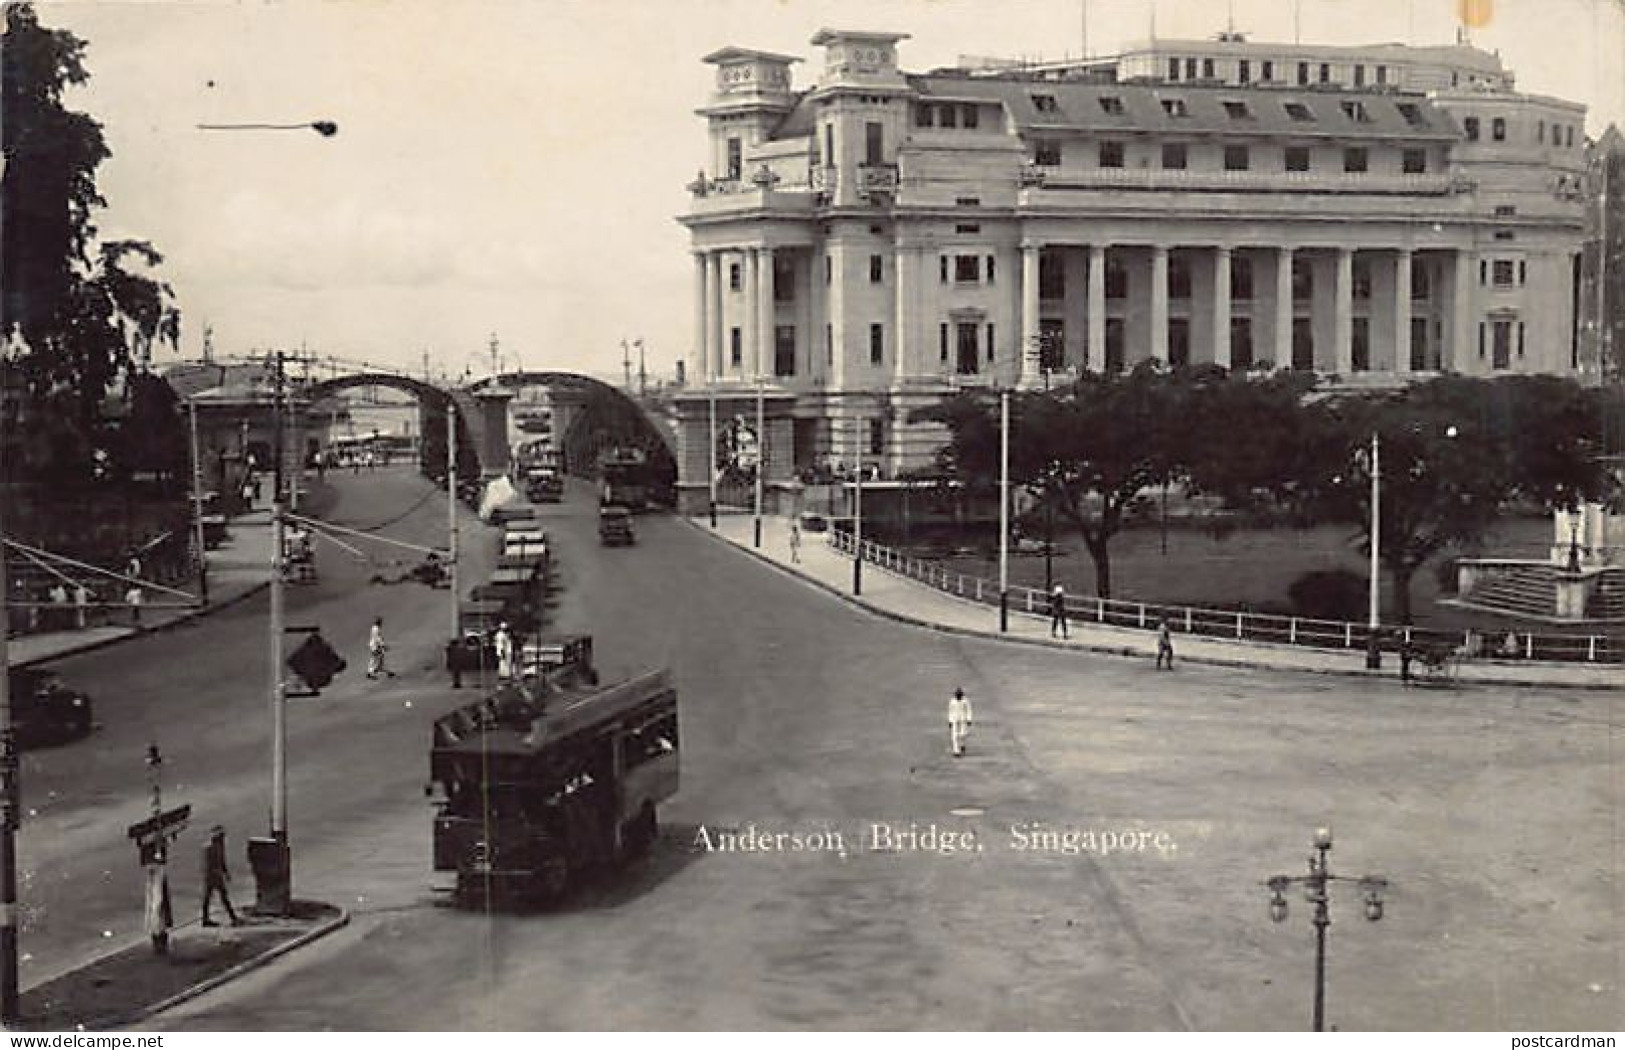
[{"x": 514, "y": 166}]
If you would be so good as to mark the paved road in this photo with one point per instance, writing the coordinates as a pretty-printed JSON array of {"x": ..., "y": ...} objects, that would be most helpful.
[
  {"x": 1495, "y": 812},
  {"x": 199, "y": 692}
]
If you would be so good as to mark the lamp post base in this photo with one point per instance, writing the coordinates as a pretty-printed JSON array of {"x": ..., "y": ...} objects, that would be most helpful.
[
  {"x": 1004, "y": 611},
  {"x": 272, "y": 862}
]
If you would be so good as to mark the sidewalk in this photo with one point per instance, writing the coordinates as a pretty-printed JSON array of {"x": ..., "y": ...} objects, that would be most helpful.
[
  {"x": 239, "y": 567},
  {"x": 133, "y": 984},
  {"x": 908, "y": 601}
]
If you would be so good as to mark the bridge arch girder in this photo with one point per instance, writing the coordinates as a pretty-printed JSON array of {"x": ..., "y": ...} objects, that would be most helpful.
[{"x": 434, "y": 403}]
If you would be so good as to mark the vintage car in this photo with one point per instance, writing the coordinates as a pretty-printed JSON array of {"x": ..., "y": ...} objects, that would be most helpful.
[
  {"x": 44, "y": 711},
  {"x": 543, "y": 485},
  {"x": 615, "y": 526}
]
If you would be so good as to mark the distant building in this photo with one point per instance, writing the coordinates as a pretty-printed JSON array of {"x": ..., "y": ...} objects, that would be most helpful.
[
  {"x": 884, "y": 238},
  {"x": 1602, "y": 288}
]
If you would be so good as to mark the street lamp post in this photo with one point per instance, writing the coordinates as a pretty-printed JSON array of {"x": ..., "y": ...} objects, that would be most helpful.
[
  {"x": 279, "y": 706},
  {"x": 857, "y": 515},
  {"x": 451, "y": 508},
  {"x": 1049, "y": 511},
  {"x": 197, "y": 503},
  {"x": 1373, "y": 650},
  {"x": 9, "y": 801},
  {"x": 1315, "y": 888},
  {"x": 761, "y": 456},
  {"x": 1004, "y": 510},
  {"x": 711, "y": 459},
  {"x": 280, "y": 890}
]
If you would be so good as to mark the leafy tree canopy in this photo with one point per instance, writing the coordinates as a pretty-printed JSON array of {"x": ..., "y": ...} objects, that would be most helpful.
[{"x": 87, "y": 313}]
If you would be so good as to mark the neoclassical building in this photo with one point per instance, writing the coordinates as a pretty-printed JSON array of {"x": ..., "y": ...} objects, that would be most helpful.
[{"x": 880, "y": 239}]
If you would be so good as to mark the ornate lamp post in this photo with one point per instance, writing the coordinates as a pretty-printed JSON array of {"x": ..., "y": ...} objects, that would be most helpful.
[{"x": 1315, "y": 886}]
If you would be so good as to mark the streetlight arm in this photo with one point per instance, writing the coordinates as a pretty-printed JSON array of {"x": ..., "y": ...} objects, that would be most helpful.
[{"x": 324, "y": 128}]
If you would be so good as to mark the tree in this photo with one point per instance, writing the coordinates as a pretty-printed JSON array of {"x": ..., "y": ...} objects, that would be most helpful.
[
  {"x": 1090, "y": 449},
  {"x": 1444, "y": 474},
  {"x": 87, "y": 318}
]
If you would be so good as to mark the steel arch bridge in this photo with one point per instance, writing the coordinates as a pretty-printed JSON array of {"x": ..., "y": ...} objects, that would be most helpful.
[{"x": 596, "y": 417}]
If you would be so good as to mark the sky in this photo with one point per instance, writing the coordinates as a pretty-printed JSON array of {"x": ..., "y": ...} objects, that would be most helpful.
[{"x": 515, "y": 167}]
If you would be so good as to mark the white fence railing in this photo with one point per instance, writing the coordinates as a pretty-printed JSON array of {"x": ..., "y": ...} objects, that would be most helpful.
[{"x": 1242, "y": 625}]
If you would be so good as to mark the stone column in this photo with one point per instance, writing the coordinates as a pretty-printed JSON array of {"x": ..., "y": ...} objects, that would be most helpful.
[
  {"x": 1159, "y": 303},
  {"x": 1402, "y": 311},
  {"x": 1095, "y": 349},
  {"x": 1463, "y": 332},
  {"x": 1343, "y": 312},
  {"x": 766, "y": 316},
  {"x": 1283, "y": 308},
  {"x": 905, "y": 275},
  {"x": 1027, "y": 350},
  {"x": 1221, "y": 307},
  {"x": 717, "y": 335},
  {"x": 747, "y": 292},
  {"x": 835, "y": 315},
  {"x": 702, "y": 326}
]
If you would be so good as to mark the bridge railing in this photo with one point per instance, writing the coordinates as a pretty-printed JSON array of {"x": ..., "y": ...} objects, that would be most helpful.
[{"x": 1240, "y": 624}]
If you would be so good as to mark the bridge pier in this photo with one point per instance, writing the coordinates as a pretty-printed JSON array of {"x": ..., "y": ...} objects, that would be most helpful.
[
  {"x": 736, "y": 425},
  {"x": 491, "y": 404}
]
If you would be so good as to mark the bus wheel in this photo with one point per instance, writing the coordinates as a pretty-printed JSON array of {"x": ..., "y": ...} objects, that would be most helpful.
[{"x": 643, "y": 831}]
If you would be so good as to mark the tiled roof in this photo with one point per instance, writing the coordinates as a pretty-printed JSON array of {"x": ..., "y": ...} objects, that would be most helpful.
[{"x": 1190, "y": 109}]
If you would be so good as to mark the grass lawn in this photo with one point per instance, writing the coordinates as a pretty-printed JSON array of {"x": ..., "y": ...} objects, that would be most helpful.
[{"x": 1251, "y": 568}]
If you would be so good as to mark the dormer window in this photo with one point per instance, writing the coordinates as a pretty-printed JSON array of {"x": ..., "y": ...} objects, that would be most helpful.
[
  {"x": 1355, "y": 110},
  {"x": 1238, "y": 110},
  {"x": 1299, "y": 112},
  {"x": 1045, "y": 104},
  {"x": 1412, "y": 114},
  {"x": 1112, "y": 105},
  {"x": 1174, "y": 107}
]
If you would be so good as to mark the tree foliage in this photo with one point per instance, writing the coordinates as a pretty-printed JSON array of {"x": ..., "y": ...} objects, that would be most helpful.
[
  {"x": 1454, "y": 452},
  {"x": 1092, "y": 449},
  {"x": 87, "y": 313}
]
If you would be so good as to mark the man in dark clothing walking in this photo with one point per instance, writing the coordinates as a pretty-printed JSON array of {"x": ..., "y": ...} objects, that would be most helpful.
[
  {"x": 1165, "y": 646},
  {"x": 1057, "y": 613},
  {"x": 216, "y": 876}
]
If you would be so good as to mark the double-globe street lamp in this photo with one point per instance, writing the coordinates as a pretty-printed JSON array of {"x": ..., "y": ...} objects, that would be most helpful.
[{"x": 1316, "y": 885}]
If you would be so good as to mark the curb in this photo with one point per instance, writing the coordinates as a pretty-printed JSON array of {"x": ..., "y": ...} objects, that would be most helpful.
[
  {"x": 246, "y": 966},
  {"x": 1119, "y": 650}
]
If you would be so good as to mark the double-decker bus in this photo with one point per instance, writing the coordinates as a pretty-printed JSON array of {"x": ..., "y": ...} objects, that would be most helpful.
[{"x": 542, "y": 780}]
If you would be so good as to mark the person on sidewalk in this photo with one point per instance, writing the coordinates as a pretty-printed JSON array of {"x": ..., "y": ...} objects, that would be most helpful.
[
  {"x": 1057, "y": 613},
  {"x": 795, "y": 542},
  {"x": 59, "y": 608},
  {"x": 216, "y": 876},
  {"x": 504, "y": 647},
  {"x": 1165, "y": 645},
  {"x": 1406, "y": 655},
  {"x": 959, "y": 722},
  {"x": 81, "y": 606},
  {"x": 133, "y": 598},
  {"x": 376, "y": 648}
]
